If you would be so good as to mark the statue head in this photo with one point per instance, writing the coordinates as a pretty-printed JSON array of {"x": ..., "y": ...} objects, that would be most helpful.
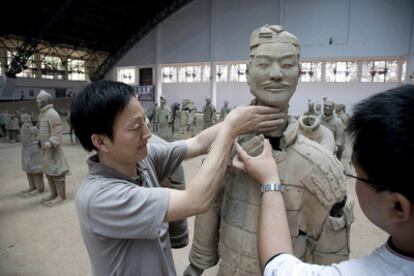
[
  {"x": 339, "y": 108},
  {"x": 226, "y": 103},
  {"x": 163, "y": 100},
  {"x": 328, "y": 108},
  {"x": 273, "y": 70},
  {"x": 208, "y": 100},
  {"x": 43, "y": 99}
]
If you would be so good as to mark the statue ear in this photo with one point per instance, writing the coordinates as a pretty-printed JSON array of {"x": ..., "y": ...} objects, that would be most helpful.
[{"x": 247, "y": 73}]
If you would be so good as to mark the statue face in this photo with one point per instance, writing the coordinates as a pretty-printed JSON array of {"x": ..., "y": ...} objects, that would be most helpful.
[
  {"x": 273, "y": 74},
  {"x": 208, "y": 100},
  {"x": 328, "y": 109},
  {"x": 163, "y": 101},
  {"x": 41, "y": 101}
]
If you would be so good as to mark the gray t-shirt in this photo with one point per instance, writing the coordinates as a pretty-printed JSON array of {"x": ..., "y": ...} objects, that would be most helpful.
[{"x": 121, "y": 219}]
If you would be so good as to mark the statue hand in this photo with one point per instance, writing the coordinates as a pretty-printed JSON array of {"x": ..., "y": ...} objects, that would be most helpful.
[
  {"x": 46, "y": 145},
  {"x": 191, "y": 270}
]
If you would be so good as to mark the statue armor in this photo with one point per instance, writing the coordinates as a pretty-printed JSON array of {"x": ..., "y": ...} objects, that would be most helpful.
[
  {"x": 178, "y": 230},
  {"x": 224, "y": 111},
  {"x": 31, "y": 155},
  {"x": 341, "y": 114},
  {"x": 50, "y": 130},
  {"x": 310, "y": 127},
  {"x": 209, "y": 113},
  {"x": 319, "y": 212}
]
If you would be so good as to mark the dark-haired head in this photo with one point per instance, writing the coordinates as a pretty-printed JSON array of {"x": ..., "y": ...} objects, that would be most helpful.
[
  {"x": 382, "y": 128},
  {"x": 95, "y": 109}
]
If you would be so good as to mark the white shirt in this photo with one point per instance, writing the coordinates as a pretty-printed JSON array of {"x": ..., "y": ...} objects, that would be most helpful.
[{"x": 383, "y": 261}]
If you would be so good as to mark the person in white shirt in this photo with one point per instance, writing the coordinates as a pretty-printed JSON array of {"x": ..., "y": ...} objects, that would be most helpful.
[{"x": 382, "y": 127}]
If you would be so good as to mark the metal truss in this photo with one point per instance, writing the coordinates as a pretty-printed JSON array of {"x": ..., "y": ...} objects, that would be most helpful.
[{"x": 150, "y": 25}]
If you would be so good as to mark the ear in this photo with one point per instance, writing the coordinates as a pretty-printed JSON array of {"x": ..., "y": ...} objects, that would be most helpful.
[
  {"x": 402, "y": 208},
  {"x": 99, "y": 141},
  {"x": 299, "y": 69}
]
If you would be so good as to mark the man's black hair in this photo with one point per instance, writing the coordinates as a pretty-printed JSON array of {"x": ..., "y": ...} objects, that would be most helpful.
[
  {"x": 95, "y": 108},
  {"x": 382, "y": 127}
]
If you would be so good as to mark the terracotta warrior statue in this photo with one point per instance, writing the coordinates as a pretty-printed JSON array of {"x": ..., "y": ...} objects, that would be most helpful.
[
  {"x": 311, "y": 109},
  {"x": 341, "y": 114},
  {"x": 319, "y": 211},
  {"x": 310, "y": 127},
  {"x": 31, "y": 156},
  {"x": 164, "y": 120},
  {"x": 224, "y": 110},
  {"x": 54, "y": 164},
  {"x": 209, "y": 113},
  {"x": 335, "y": 125}
]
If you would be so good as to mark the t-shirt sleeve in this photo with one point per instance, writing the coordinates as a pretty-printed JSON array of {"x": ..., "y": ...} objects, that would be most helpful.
[
  {"x": 289, "y": 265},
  {"x": 166, "y": 158},
  {"x": 128, "y": 211}
]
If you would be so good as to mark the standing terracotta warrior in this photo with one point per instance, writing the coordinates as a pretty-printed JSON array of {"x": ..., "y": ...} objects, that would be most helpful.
[
  {"x": 319, "y": 213},
  {"x": 311, "y": 109},
  {"x": 335, "y": 125},
  {"x": 341, "y": 114},
  {"x": 31, "y": 156},
  {"x": 164, "y": 119},
  {"x": 225, "y": 110},
  {"x": 209, "y": 113},
  {"x": 13, "y": 129},
  {"x": 54, "y": 164}
]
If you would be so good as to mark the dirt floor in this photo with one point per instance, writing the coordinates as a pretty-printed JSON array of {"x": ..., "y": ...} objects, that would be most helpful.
[{"x": 40, "y": 240}]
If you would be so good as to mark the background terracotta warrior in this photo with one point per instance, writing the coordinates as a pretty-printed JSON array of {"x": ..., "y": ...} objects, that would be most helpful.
[
  {"x": 54, "y": 164},
  {"x": 224, "y": 110},
  {"x": 209, "y": 113},
  {"x": 335, "y": 125},
  {"x": 319, "y": 213},
  {"x": 31, "y": 156},
  {"x": 311, "y": 109},
  {"x": 164, "y": 120}
]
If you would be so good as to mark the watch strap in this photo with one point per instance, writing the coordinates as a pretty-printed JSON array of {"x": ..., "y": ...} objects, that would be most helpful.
[{"x": 272, "y": 187}]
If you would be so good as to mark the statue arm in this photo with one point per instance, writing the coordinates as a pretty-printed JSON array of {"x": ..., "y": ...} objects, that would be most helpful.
[{"x": 55, "y": 127}]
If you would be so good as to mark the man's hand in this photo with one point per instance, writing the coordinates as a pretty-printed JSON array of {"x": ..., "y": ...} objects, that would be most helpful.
[
  {"x": 261, "y": 168},
  {"x": 245, "y": 119}
]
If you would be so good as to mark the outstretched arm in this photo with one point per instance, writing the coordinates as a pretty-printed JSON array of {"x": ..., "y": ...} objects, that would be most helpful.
[{"x": 202, "y": 188}]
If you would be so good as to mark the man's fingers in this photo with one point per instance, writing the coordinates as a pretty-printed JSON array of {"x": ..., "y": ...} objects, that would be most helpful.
[
  {"x": 241, "y": 152},
  {"x": 267, "y": 147},
  {"x": 236, "y": 163},
  {"x": 265, "y": 109}
]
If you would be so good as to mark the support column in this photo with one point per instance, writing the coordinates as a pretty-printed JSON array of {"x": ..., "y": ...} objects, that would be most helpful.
[
  {"x": 213, "y": 81},
  {"x": 157, "y": 73}
]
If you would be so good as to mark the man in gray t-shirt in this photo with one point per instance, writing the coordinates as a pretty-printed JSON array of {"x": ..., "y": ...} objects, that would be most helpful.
[{"x": 137, "y": 236}]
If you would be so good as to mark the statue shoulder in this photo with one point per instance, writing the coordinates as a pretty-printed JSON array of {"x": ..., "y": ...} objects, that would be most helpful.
[{"x": 324, "y": 176}]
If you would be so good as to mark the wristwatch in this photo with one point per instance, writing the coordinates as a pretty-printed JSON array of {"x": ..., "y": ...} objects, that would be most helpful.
[{"x": 272, "y": 187}]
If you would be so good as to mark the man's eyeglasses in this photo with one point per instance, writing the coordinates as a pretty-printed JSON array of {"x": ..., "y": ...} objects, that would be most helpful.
[{"x": 371, "y": 182}]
